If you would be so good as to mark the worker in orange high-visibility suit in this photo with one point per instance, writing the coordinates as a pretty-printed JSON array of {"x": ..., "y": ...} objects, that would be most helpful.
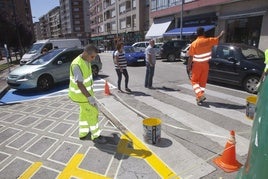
[{"x": 199, "y": 56}]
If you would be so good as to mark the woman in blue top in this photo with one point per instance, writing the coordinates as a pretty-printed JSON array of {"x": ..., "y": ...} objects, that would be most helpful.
[{"x": 121, "y": 66}]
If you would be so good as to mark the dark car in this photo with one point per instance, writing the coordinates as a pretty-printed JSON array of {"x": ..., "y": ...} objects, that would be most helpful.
[
  {"x": 171, "y": 49},
  {"x": 237, "y": 64},
  {"x": 134, "y": 56}
]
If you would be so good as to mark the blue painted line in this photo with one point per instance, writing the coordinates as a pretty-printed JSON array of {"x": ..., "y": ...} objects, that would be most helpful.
[{"x": 17, "y": 96}]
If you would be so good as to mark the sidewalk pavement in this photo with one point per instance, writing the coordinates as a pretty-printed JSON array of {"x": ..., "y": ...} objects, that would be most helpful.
[{"x": 39, "y": 139}]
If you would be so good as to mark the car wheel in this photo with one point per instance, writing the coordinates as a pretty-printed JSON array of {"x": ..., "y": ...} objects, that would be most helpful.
[
  {"x": 45, "y": 82},
  {"x": 250, "y": 84},
  {"x": 171, "y": 57},
  {"x": 95, "y": 70}
]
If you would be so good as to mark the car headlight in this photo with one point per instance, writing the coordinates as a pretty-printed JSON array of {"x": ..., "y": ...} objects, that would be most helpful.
[{"x": 27, "y": 76}]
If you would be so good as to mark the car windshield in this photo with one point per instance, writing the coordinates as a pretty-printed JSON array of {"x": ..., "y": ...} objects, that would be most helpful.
[
  {"x": 35, "y": 48},
  {"x": 45, "y": 58},
  {"x": 129, "y": 49},
  {"x": 252, "y": 53}
]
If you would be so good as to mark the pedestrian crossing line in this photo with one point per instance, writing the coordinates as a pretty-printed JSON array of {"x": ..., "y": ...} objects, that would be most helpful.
[
  {"x": 139, "y": 150},
  {"x": 72, "y": 170},
  {"x": 194, "y": 122},
  {"x": 219, "y": 95},
  {"x": 31, "y": 170},
  {"x": 227, "y": 112}
]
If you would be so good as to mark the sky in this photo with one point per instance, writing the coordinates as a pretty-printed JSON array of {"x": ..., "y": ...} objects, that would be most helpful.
[{"x": 41, "y": 7}]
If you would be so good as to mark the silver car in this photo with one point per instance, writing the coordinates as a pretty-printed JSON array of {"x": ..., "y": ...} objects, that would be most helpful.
[{"x": 44, "y": 71}]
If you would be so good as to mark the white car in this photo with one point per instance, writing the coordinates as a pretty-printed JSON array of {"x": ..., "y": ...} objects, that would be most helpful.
[
  {"x": 141, "y": 45},
  {"x": 184, "y": 53}
]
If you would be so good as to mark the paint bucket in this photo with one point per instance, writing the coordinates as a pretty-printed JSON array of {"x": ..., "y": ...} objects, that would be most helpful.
[
  {"x": 250, "y": 107},
  {"x": 152, "y": 130}
]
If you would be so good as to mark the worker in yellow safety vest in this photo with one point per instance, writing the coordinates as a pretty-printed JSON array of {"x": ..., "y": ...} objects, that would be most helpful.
[{"x": 81, "y": 92}]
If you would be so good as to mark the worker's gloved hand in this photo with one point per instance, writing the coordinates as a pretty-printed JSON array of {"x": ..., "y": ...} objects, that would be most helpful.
[{"x": 92, "y": 101}]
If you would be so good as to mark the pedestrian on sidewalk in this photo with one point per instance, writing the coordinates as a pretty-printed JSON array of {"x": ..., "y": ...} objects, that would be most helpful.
[
  {"x": 199, "y": 56},
  {"x": 81, "y": 92},
  {"x": 150, "y": 64},
  {"x": 120, "y": 63}
]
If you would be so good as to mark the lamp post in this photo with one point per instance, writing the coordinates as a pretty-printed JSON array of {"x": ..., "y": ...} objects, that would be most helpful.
[{"x": 181, "y": 21}]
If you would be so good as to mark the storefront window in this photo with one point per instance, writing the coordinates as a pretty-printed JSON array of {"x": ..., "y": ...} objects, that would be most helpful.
[{"x": 244, "y": 30}]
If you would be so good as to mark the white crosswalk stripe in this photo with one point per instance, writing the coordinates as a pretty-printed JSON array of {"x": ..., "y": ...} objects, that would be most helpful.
[
  {"x": 195, "y": 123},
  {"x": 219, "y": 95},
  {"x": 231, "y": 113}
]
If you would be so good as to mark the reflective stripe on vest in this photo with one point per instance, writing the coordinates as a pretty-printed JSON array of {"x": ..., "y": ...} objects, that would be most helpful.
[
  {"x": 74, "y": 92},
  {"x": 202, "y": 57}
]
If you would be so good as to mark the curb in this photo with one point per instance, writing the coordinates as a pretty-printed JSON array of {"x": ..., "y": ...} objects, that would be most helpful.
[{"x": 4, "y": 91}]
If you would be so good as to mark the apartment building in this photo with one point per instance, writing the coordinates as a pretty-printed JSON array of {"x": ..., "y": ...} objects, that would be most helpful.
[
  {"x": 37, "y": 31},
  {"x": 17, "y": 13},
  {"x": 49, "y": 25},
  {"x": 242, "y": 20},
  {"x": 75, "y": 19},
  {"x": 114, "y": 20}
]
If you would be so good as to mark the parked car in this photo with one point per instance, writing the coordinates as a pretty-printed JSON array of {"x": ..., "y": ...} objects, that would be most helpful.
[
  {"x": 133, "y": 57},
  {"x": 141, "y": 45},
  {"x": 184, "y": 53},
  {"x": 37, "y": 48},
  {"x": 157, "y": 48},
  {"x": 171, "y": 49},
  {"x": 238, "y": 64},
  {"x": 46, "y": 70}
]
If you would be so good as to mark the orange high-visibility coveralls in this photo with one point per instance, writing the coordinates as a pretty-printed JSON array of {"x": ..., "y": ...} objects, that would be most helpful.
[{"x": 200, "y": 50}]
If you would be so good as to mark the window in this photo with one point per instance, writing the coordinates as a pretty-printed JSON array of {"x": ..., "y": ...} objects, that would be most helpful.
[
  {"x": 76, "y": 22},
  {"x": 224, "y": 53},
  {"x": 76, "y": 9},
  {"x": 122, "y": 24},
  {"x": 77, "y": 28},
  {"x": 113, "y": 13}
]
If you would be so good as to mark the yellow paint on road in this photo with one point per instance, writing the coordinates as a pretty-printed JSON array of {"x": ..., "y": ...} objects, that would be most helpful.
[
  {"x": 72, "y": 170},
  {"x": 31, "y": 170},
  {"x": 130, "y": 145}
]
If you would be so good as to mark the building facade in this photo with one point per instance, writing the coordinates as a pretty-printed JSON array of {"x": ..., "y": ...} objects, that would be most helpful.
[
  {"x": 118, "y": 20},
  {"x": 242, "y": 20},
  {"x": 75, "y": 19},
  {"x": 49, "y": 25},
  {"x": 37, "y": 31},
  {"x": 16, "y": 13}
]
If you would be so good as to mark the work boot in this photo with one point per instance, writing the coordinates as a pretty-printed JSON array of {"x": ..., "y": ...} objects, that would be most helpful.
[
  {"x": 200, "y": 100},
  {"x": 100, "y": 140}
]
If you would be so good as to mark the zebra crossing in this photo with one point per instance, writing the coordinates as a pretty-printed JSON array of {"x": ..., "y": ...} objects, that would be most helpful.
[{"x": 230, "y": 113}]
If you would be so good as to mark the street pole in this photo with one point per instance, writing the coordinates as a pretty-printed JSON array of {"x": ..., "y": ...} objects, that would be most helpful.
[{"x": 181, "y": 21}]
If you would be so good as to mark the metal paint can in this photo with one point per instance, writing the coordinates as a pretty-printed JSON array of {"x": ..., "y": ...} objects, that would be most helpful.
[
  {"x": 152, "y": 130},
  {"x": 251, "y": 106}
]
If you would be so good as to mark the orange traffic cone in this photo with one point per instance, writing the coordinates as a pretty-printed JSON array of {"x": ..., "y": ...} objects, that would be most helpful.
[
  {"x": 107, "y": 89},
  {"x": 228, "y": 161}
]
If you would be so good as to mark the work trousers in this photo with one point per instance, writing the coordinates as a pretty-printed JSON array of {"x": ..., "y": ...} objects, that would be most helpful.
[
  {"x": 199, "y": 77},
  {"x": 88, "y": 121}
]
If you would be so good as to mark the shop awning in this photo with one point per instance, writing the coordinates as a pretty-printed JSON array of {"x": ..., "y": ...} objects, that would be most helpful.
[
  {"x": 157, "y": 29},
  {"x": 186, "y": 31}
]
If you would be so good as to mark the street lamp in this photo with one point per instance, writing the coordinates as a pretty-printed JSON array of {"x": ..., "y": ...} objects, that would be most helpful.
[{"x": 181, "y": 21}]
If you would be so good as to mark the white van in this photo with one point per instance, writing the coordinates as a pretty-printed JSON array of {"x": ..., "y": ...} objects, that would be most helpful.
[{"x": 48, "y": 44}]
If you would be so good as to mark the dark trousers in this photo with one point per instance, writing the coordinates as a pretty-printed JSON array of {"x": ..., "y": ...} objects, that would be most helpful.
[
  {"x": 149, "y": 75},
  {"x": 119, "y": 74}
]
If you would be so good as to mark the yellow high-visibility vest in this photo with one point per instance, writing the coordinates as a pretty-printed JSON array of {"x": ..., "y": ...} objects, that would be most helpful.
[{"x": 74, "y": 92}]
